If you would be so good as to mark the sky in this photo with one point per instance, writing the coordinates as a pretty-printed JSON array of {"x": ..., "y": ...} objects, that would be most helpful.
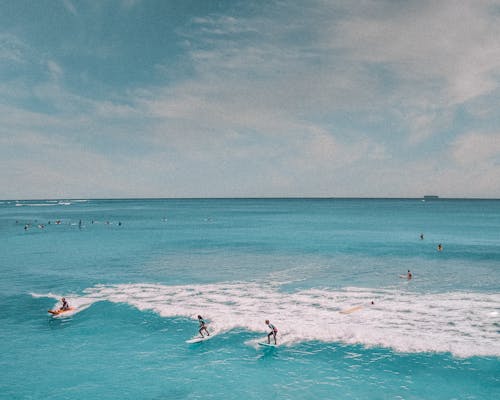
[{"x": 216, "y": 98}]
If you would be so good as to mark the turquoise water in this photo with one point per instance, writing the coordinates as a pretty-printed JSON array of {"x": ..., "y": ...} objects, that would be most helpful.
[{"x": 140, "y": 271}]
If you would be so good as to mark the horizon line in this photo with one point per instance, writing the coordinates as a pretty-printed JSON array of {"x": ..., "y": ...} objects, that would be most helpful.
[{"x": 425, "y": 198}]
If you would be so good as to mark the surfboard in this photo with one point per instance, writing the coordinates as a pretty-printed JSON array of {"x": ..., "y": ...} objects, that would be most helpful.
[
  {"x": 267, "y": 344},
  {"x": 58, "y": 312},
  {"x": 351, "y": 310},
  {"x": 199, "y": 339}
]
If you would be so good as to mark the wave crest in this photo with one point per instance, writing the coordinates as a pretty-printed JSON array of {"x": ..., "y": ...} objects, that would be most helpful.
[{"x": 464, "y": 324}]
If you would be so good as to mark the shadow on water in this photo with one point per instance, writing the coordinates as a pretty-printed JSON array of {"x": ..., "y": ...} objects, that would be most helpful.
[{"x": 266, "y": 354}]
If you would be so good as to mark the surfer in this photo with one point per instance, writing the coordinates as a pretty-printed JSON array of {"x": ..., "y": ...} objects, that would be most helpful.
[
  {"x": 65, "y": 305},
  {"x": 203, "y": 326},
  {"x": 273, "y": 332}
]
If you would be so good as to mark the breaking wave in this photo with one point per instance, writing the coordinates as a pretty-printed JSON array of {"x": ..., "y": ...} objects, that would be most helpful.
[{"x": 464, "y": 324}]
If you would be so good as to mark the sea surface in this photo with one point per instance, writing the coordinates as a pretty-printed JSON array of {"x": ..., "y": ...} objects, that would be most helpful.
[{"x": 138, "y": 272}]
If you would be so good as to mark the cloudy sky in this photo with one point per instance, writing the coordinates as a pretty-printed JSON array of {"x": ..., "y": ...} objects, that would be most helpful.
[{"x": 146, "y": 98}]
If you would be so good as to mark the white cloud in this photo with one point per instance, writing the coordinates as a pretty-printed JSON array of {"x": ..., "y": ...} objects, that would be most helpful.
[
  {"x": 130, "y": 3},
  {"x": 257, "y": 97},
  {"x": 430, "y": 63},
  {"x": 55, "y": 69},
  {"x": 328, "y": 99},
  {"x": 68, "y": 5},
  {"x": 456, "y": 43},
  {"x": 477, "y": 149},
  {"x": 12, "y": 49}
]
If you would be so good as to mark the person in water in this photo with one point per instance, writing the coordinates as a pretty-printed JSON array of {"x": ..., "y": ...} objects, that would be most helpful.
[
  {"x": 65, "y": 305},
  {"x": 440, "y": 247},
  {"x": 409, "y": 275},
  {"x": 203, "y": 326},
  {"x": 273, "y": 332}
]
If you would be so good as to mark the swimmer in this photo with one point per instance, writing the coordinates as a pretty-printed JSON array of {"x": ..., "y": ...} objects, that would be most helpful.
[
  {"x": 409, "y": 275},
  {"x": 440, "y": 247},
  {"x": 273, "y": 332},
  {"x": 203, "y": 326},
  {"x": 421, "y": 236}
]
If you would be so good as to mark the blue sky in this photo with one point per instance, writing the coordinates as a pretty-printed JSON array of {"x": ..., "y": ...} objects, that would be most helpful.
[{"x": 145, "y": 98}]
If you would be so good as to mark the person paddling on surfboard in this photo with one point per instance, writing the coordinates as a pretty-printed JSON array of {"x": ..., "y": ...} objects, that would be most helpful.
[
  {"x": 273, "y": 332},
  {"x": 203, "y": 326},
  {"x": 65, "y": 305}
]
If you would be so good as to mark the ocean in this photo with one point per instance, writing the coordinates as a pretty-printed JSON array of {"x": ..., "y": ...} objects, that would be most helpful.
[{"x": 330, "y": 274}]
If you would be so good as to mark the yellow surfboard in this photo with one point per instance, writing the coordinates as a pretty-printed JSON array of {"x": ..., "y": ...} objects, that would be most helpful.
[
  {"x": 57, "y": 312},
  {"x": 351, "y": 310}
]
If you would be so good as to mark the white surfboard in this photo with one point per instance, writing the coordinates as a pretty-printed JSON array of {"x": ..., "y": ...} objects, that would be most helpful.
[
  {"x": 199, "y": 339},
  {"x": 267, "y": 344}
]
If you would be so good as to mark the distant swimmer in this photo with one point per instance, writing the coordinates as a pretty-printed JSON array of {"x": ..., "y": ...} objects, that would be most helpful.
[
  {"x": 440, "y": 247},
  {"x": 273, "y": 332},
  {"x": 203, "y": 326},
  {"x": 421, "y": 236},
  {"x": 408, "y": 275}
]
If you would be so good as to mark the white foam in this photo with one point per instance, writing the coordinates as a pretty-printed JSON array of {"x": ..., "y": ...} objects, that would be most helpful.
[
  {"x": 79, "y": 303},
  {"x": 465, "y": 324},
  {"x": 46, "y": 204}
]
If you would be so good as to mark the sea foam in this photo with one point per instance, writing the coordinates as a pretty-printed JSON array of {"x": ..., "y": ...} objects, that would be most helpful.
[{"x": 464, "y": 324}]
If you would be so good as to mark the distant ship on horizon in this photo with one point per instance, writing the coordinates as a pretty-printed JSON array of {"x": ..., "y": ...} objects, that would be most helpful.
[{"x": 431, "y": 197}]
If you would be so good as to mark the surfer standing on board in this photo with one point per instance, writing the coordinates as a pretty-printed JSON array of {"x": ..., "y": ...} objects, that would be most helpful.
[
  {"x": 273, "y": 332},
  {"x": 203, "y": 326}
]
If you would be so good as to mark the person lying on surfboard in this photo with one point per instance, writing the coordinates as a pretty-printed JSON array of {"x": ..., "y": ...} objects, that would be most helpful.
[
  {"x": 273, "y": 332},
  {"x": 203, "y": 326}
]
